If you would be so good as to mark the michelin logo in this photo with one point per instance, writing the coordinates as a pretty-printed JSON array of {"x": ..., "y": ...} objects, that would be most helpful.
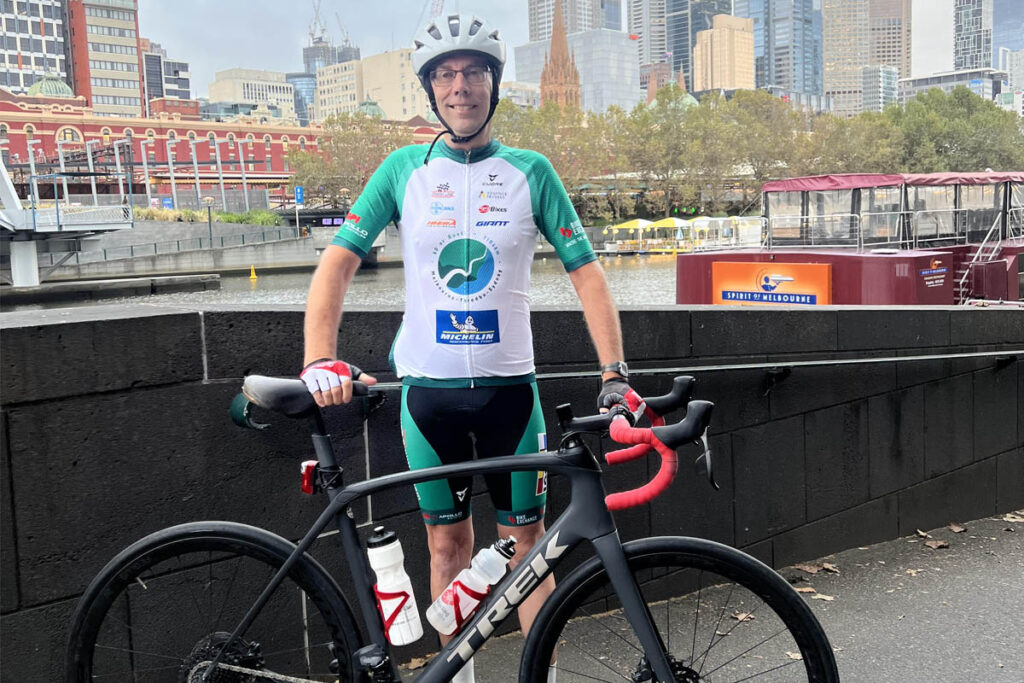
[{"x": 467, "y": 327}]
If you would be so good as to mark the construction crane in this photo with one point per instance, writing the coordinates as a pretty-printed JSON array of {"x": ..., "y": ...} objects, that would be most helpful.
[
  {"x": 345, "y": 42},
  {"x": 317, "y": 30}
]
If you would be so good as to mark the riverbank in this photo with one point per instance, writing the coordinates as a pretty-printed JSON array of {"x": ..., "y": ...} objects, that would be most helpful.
[{"x": 94, "y": 290}]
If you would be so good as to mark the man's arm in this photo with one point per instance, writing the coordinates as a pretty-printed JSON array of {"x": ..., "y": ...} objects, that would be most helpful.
[
  {"x": 323, "y": 315},
  {"x": 600, "y": 313}
]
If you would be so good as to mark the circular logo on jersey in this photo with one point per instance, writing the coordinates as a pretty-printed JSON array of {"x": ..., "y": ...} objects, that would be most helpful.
[{"x": 465, "y": 266}]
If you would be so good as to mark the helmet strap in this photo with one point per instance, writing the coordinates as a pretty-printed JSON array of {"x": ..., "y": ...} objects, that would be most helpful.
[{"x": 459, "y": 139}]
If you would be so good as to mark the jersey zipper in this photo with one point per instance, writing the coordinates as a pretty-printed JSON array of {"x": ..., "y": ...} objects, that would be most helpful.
[{"x": 465, "y": 307}]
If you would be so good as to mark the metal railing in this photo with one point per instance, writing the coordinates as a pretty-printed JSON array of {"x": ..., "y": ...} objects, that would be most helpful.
[
  {"x": 53, "y": 220},
  {"x": 979, "y": 256},
  {"x": 169, "y": 247},
  {"x": 810, "y": 232}
]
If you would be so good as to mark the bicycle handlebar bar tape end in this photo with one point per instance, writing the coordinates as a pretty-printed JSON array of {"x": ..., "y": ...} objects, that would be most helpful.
[{"x": 286, "y": 396}]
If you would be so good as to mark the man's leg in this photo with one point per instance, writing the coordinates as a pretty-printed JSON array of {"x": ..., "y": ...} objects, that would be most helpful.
[
  {"x": 526, "y": 537},
  {"x": 451, "y": 549}
]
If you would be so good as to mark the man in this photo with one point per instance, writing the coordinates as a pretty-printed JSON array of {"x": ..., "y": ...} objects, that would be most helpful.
[{"x": 468, "y": 210}]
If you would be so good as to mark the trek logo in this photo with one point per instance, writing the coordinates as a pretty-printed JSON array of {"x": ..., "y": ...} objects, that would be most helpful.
[
  {"x": 437, "y": 208},
  {"x": 528, "y": 576},
  {"x": 352, "y": 217},
  {"x": 496, "y": 209},
  {"x": 467, "y": 328},
  {"x": 441, "y": 223},
  {"x": 491, "y": 224}
]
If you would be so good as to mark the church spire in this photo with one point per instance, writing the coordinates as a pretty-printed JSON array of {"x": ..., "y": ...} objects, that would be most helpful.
[{"x": 560, "y": 81}]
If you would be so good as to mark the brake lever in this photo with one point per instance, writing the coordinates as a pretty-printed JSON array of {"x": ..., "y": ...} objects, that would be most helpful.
[{"x": 703, "y": 462}]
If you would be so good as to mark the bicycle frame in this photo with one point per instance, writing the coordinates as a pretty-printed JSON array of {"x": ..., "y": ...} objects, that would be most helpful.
[{"x": 586, "y": 518}]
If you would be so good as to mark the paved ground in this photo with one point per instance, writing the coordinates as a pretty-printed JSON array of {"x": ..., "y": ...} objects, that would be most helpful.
[{"x": 904, "y": 611}]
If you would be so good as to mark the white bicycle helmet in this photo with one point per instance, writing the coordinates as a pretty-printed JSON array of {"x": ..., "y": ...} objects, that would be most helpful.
[{"x": 455, "y": 33}]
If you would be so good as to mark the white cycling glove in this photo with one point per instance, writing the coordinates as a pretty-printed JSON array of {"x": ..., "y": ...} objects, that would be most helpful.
[{"x": 327, "y": 373}]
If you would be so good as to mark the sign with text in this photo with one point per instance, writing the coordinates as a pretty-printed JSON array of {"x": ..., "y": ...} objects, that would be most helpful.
[
  {"x": 787, "y": 284},
  {"x": 299, "y": 192}
]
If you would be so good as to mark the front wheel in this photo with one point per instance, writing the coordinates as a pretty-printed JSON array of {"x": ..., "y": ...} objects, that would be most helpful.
[
  {"x": 721, "y": 615},
  {"x": 165, "y": 607}
]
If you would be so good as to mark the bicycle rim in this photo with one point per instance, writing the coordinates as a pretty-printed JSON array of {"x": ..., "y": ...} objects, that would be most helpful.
[
  {"x": 162, "y": 613},
  {"x": 721, "y": 615}
]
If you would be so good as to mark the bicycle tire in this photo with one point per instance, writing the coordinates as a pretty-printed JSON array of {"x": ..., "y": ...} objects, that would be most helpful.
[
  {"x": 165, "y": 603},
  {"x": 738, "y": 598}
]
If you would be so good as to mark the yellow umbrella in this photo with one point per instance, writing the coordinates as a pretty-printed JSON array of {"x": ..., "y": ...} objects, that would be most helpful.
[{"x": 640, "y": 223}]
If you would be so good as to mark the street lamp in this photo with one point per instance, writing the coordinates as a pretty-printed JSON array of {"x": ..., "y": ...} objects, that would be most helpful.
[
  {"x": 145, "y": 168},
  {"x": 170, "y": 166},
  {"x": 209, "y": 217}
]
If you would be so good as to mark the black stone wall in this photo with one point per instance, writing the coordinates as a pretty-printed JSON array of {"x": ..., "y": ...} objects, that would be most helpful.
[{"x": 114, "y": 424}]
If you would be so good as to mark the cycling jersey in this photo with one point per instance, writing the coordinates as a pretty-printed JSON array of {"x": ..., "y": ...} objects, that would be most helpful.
[{"x": 468, "y": 221}]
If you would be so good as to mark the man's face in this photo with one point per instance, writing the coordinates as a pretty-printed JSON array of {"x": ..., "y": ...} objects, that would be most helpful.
[{"x": 463, "y": 105}]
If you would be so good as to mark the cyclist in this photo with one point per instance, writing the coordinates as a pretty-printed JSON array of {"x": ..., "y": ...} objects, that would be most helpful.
[{"x": 468, "y": 209}]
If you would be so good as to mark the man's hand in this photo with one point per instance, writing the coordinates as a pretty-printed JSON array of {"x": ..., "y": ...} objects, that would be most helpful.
[
  {"x": 330, "y": 381},
  {"x": 616, "y": 394}
]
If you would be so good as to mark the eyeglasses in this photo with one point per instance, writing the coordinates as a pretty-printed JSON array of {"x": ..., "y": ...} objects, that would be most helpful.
[{"x": 474, "y": 75}]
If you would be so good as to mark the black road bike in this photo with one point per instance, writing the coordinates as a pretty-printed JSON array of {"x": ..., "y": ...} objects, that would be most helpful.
[{"x": 226, "y": 602}]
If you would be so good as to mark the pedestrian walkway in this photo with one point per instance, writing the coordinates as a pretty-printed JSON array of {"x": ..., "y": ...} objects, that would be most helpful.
[{"x": 946, "y": 605}]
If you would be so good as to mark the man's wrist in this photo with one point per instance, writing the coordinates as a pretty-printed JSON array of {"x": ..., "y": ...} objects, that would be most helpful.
[{"x": 615, "y": 369}]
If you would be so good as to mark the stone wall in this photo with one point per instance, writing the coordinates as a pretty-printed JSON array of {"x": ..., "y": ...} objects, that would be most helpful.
[{"x": 114, "y": 424}]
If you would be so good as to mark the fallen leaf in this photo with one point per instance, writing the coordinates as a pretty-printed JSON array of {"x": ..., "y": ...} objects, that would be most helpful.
[
  {"x": 805, "y": 589},
  {"x": 914, "y": 572},
  {"x": 1013, "y": 518},
  {"x": 935, "y": 545},
  {"x": 742, "y": 616},
  {"x": 794, "y": 655},
  {"x": 809, "y": 568},
  {"x": 822, "y": 596},
  {"x": 956, "y": 528},
  {"x": 923, "y": 534},
  {"x": 830, "y": 568},
  {"x": 417, "y": 662}
]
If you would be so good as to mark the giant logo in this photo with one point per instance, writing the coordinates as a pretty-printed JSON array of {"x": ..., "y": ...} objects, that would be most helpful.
[{"x": 465, "y": 266}]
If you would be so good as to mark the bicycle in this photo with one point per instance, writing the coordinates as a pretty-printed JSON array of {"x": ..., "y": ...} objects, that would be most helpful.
[{"x": 178, "y": 604}]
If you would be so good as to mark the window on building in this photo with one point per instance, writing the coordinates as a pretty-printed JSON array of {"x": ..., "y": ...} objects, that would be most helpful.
[
  {"x": 106, "y": 136},
  {"x": 67, "y": 134},
  {"x": 3, "y": 131},
  {"x": 192, "y": 136},
  {"x": 171, "y": 135},
  {"x": 302, "y": 144},
  {"x": 269, "y": 165},
  {"x": 266, "y": 142}
]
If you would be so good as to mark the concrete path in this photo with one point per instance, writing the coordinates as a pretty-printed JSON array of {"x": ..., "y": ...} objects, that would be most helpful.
[{"x": 903, "y": 611}]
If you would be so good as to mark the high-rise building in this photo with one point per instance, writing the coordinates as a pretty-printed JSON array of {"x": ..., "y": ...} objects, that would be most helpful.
[
  {"x": 319, "y": 53},
  {"x": 578, "y": 15},
  {"x": 889, "y": 25},
  {"x": 972, "y": 34},
  {"x": 105, "y": 55},
  {"x": 647, "y": 23},
  {"x": 32, "y": 44},
  {"x": 346, "y": 52},
  {"x": 985, "y": 83},
  {"x": 787, "y": 43},
  {"x": 389, "y": 80},
  {"x": 339, "y": 89},
  {"x": 1007, "y": 26},
  {"x": 162, "y": 77},
  {"x": 724, "y": 56},
  {"x": 880, "y": 87},
  {"x": 305, "y": 95},
  {"x": 683, "y": 20},
  {"x": 560, "y": 80},
  {"x": 1012, "y": 62},
  {"x": 523, "y": 95},
  {"x": 253, "y": 86},
  {"x": 846, "y": 50}
]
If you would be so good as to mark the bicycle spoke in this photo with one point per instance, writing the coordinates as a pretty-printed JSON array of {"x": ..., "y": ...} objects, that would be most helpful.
[
  {"x": 696, "y": 616},
  {"x": 718, "y": 624},
  {"x": 750, "y": 649},
  {"x": 588, "y": 676},
  {"x": 610, "y": 630},
  {"x": 777, "y": 668},
  {"x": 591, "y": 656}
]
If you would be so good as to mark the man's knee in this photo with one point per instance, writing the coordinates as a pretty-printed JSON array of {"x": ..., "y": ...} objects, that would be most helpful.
[{"x": 450, "y": 544}]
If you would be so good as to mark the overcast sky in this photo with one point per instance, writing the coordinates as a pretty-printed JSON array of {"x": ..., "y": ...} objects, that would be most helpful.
[{"x": 212, "y": 35}]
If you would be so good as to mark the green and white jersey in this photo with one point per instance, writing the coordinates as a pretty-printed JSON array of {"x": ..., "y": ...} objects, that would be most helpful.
[{"x": 468, "y": 223}]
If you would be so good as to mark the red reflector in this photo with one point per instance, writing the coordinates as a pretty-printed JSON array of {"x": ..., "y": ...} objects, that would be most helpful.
[{"x": 309, "y": 477}]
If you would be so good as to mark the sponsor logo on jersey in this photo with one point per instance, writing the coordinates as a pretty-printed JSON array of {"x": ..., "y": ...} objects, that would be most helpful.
[
  {"x": 573, "y": 234},
  {"x": 437, "y": 208},
  {"x": 542, "y": 442},
  {"x": 486, "y": 208},
  {"x": 442, "y": 191},
  {"x": 491, "y": 224},
  {"x": 353, "y": 218},
  {"x": 542, "y": 479},
  {"x": 492, "y": 181},
  {"x": 463, "y": 328},
  {"x": 466, "y": 269},
  {"x": 496, "y": 195},
  {"x": 441, "y": 223}
]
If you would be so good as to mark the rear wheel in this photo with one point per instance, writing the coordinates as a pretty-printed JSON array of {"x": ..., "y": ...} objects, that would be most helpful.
[
  {"x": 165, "y": 607},
  {"x": 722, "y": 616}
]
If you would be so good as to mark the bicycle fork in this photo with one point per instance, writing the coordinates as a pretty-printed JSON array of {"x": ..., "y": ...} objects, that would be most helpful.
[{"x": 609, "y": 549}]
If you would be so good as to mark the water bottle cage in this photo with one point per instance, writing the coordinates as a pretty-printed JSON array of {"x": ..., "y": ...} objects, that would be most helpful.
[
  {"x": 401, "y": 596},
  {"x": 461, "y": 618}
]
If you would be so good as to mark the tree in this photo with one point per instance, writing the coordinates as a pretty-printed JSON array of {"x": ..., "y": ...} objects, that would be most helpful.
[
  {"x": 351, "y": 147},
  {"x": 712, "y": 150},
  {"x": 769, "y": 135},
  {"x": 657, "y": 143}
]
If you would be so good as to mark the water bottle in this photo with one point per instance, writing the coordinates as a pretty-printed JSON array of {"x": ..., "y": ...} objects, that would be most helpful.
[
  {"x": 460, "y": 599},
  {"x": 395, "y": 599}
]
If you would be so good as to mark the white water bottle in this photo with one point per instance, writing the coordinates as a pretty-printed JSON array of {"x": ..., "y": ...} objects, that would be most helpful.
[
  {"x": 395, "y": 598},
  {"x": 460, "y": 599}
]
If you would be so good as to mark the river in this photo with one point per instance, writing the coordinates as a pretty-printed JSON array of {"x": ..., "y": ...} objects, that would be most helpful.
[{"x": 634, "y": 281}]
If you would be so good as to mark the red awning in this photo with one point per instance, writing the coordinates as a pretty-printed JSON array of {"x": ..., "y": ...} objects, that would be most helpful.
[
  {"x": 850, "y": 181},
  {"x": 839, "y": 181}
]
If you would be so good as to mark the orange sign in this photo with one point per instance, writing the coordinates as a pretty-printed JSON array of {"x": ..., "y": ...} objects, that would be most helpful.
[{"x": 787, "y": 284}]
